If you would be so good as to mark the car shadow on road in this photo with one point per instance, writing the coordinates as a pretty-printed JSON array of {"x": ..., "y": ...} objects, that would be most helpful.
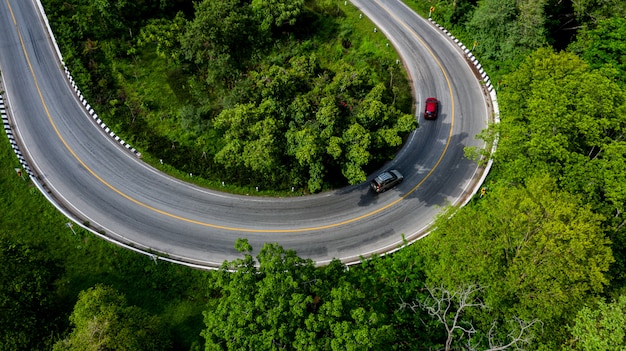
[{"x": 439, "y": 183}]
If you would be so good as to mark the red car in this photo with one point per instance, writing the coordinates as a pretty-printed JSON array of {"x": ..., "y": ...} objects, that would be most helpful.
[{"x": 431, "y": 109}]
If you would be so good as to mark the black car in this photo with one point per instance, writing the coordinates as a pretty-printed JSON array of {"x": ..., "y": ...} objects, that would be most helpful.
[{"x": 386, "y": 180}]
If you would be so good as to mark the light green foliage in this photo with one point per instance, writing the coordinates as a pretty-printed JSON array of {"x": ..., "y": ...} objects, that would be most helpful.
[
  {"x": 169, "y": 81},
  {"x": 276, "y": 13},
  {"x": 165, "y": 35},
  {"x": 316, "y": 121},
  {"x": 594, "y": 10},
  {"x": 357, "y": 141},
  {"x": 600, "y": 327},
  {"x": 284, "y": 302},
  {"x": 102, "y": 320},
  {"x": 251, "y": 136},
  {"x": 615, "y": 175},
  {"x": 562, "y": 118},
  {"x": 540, "y": 252}
]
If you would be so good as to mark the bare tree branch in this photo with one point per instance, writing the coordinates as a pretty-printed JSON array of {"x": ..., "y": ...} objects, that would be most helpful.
[
  {"x": 517, "y": 336},
  {"x": 447, "y": 307}
]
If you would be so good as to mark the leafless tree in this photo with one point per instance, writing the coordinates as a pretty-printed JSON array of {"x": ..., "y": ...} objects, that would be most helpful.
[
  {"x": 517, "y": 337},
  {"x": 448, "y": 306}
]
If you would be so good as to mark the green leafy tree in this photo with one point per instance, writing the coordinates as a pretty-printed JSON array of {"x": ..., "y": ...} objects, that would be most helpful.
[
  {"x": 282, "y": 301},
  {"x": 252, "y": 138},
  {"x": 600, "y": 327},
  {"x": 560, "y": 117},
  {"x": 357, "y": 142},
  {"x": 505, "y": 29},
  {"x": 103, "y": 320},
  {"x": 303, "y": 119},
  {"x": 26, "y": 295},
  {"x": 604, "y": 45},
  {"x": 538, "y": 251},
  {"x": 219, "y": 39},
  {"x": 165, "y": 34},
  {"x": 563, "y": 118},
  {"x": 594, "y": 10},
  {"x": 276, "y": 13},
  {"x": 389, "y": 282},
  {"x": 493, "y": 25}
]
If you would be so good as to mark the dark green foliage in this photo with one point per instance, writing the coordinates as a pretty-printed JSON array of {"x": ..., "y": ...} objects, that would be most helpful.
[
  {"x": 277, "y": 13},
  {"x": 590, "y": 11},
  {"x": 389, "y": 282},
  {"x": 27, "y": 295},
  {"x": 219, "y": 40},
  {"x": 171, "y": 76},
  {"x": 51, "y": 265},
  {"x": 337, "y": 121},
  {"x": 604, "y": 45},
  {"x": 505, "y": 29}
]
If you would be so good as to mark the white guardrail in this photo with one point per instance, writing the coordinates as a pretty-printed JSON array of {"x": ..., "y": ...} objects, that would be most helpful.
[{"x": 494, "y": 102}]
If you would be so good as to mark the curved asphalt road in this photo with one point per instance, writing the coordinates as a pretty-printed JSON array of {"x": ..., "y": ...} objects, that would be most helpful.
[{"x": 98, "y": 181}]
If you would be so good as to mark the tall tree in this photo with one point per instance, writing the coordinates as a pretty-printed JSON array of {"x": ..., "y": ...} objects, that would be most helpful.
[
  {"x": 538, "y": 251},
  {"x": 165, "y": 34},
  {"x": 282, "y": 301},
  {"x": 219, "y": 39},
  {"x": 505, "y": 29},
  {"x": 103, "y": 320},
  {"x": 594, "y": 10},
  {"x": 252, "y": 136},
  {"x": 600, "y": 327},
  {"x": 560, "y": 117},
  {"x": 603, "y": 44},
  {"x": 276, "y": 13}
]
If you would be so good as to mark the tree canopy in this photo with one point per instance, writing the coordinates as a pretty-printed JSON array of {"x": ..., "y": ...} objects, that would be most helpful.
[
  {"x": 282, "y": 301},
  {"x": 311, "y": 120},
  {"x": 600, "y": 326},
  {"x": 561, "y": 117},
  {"x": 103, "y": 320},
  {"x": 538, "y": 251},
  {"x": 603, "y": 44}
]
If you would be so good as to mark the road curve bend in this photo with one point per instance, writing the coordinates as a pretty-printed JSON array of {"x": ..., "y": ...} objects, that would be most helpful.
[{"x": 103, "y": 186}]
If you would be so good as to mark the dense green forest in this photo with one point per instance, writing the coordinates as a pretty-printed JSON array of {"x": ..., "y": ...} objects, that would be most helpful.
[{"x": 244, "y": 90}]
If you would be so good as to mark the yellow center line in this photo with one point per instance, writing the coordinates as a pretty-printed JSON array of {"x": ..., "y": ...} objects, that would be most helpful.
[{"x": 82, "y": 163}]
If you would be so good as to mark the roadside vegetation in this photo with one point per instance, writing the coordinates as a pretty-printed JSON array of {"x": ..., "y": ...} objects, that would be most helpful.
[
  {"x": 282, "y": 93},
  {"x": 251, "y": 94}
]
